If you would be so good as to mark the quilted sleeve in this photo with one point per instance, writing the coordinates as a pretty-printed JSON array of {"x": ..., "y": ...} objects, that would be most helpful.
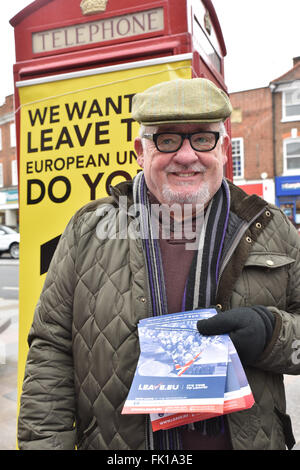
[
  {"x": 46, "y": 419},
  {"x": 283, "y": 352}
]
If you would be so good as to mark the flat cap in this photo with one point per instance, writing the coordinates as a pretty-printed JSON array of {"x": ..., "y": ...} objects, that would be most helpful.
[{"x": 180, "y": 101}]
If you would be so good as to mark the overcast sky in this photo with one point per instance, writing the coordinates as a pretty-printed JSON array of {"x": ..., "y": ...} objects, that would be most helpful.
[{"x": 261, "y": 37}]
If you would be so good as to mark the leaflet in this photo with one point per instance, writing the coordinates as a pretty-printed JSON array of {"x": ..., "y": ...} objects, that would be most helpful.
[
  {"x": 186, "y": 320},
  {"x": 182, "y": 376},
  {"x": 178, "y": 370},
  {"x": 237, "y": 397}
]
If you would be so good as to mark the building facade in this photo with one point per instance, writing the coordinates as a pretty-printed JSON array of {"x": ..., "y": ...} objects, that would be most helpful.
[
  {"x": 286, "y": 123},
  {"x": 252, "y": 142},
  {"x": 9, "y": 206},
  {"x": 266, "y": 141}
]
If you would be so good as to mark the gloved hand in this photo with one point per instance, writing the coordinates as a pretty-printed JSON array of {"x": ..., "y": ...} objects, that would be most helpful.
[{"x": 250, "y": 329}]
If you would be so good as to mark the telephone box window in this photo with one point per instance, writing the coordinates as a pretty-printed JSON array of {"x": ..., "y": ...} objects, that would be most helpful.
[{"x": 204, "y": 46}]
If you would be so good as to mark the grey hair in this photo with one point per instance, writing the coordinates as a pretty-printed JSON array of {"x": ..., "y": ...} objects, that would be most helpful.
[
  {"x": 223, "y": 131},
  {"x": 147, "y": 130}
]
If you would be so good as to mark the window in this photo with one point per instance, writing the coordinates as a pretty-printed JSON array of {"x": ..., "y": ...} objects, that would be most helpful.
[
  {"x": 1, "y": 175},
  {"x": 14, "y": 173},
  {"x": 291, "y": 155},
  {"x": 12, "y": 135},
  {"x": 291, "y": 105},
  {"x": 238, "y": 157}
]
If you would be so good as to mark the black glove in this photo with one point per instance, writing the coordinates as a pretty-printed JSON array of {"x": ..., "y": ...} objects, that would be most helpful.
[{"x": 250, "y": 329}]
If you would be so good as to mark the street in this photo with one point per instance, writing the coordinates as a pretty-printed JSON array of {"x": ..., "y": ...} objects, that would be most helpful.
[
  {"x": 9, "y": 310},
  {"x": 9, "y": 321},
  {"x": 9, "y": 278},
  {"x": 292, "y": 387}
]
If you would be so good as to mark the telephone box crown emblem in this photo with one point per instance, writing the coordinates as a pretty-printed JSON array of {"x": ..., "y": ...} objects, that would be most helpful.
[{"x": 90, "y": 7}]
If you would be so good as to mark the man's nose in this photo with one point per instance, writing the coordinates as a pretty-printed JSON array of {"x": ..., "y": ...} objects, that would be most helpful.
[{"x": 186, "y": 155}]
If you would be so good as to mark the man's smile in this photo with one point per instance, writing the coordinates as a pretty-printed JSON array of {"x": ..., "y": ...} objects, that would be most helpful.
[{"x": 185, "y": 175}]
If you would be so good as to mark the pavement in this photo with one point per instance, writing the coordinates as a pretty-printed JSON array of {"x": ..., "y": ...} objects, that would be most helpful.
[
  {"x": 9, "y": 314},
  {"x": 292, "y": 390}
]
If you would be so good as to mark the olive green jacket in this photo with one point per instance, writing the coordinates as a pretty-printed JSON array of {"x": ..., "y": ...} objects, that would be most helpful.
[{"x": 84, "y": 345}]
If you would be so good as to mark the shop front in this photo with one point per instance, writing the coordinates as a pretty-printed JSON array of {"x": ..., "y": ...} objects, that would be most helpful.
[
  {"x": 288, "y": 197},
  {"x": 9, "y": 208},
  {"x": 264, "y": 188}
]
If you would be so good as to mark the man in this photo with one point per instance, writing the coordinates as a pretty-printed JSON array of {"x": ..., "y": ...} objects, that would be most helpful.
[{"x": 243, "y": 259}]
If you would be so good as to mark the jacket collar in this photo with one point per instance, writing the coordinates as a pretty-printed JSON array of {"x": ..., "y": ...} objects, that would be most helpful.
[{"x": 244, "y": 205}]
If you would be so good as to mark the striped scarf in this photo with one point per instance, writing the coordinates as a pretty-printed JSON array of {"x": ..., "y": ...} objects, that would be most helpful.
[{"x": 202, "y": 283}]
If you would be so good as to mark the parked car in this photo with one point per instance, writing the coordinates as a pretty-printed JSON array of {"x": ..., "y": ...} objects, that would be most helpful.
[{"x": 9, "y": 241}]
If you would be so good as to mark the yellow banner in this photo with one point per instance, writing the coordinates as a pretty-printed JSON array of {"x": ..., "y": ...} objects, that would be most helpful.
[{"x": 76, "y": 139}]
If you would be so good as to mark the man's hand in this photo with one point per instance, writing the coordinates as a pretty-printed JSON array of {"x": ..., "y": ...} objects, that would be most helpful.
[{"x": 250, "y": 329}]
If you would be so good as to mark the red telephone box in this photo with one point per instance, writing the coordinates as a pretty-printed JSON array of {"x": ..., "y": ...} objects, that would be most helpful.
[
  {"x": 54, "y": 37},
  {"x": 78, "y": 65}
]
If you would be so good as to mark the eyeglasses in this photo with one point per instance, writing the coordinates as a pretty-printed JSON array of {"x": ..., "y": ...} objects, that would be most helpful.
[{"x": 168, "y": 142}]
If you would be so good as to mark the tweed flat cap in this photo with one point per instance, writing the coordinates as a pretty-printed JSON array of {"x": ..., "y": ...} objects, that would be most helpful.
[{"x": 180, "y": 101}]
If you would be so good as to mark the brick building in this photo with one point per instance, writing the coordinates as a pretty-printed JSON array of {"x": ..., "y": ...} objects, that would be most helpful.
[
  {"x": 8, "y": 165},
  {"x": 252, "y": 142},
  {"x": 286, "y": 123},
  {"x": 266, "y": 141}
]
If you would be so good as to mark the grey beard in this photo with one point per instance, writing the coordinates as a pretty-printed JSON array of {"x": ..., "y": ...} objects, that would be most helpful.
[{"x": 201, "y": 196}]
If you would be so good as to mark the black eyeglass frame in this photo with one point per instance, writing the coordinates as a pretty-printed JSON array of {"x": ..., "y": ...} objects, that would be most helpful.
[{"x": 183, "y": 136}]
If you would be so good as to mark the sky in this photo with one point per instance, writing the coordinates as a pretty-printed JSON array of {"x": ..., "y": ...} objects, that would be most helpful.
[{"x": 261, "y": 37}]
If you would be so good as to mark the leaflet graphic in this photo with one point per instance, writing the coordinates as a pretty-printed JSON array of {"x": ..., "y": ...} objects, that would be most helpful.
[
  {"x": 182, "y": 376},
  {"x": 237, "y": 397}
]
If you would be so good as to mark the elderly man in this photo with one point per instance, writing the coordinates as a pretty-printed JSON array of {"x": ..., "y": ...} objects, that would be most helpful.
[{"x": 243, "y": 258}]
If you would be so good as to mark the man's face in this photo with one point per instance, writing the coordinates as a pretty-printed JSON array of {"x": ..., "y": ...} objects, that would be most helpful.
[{"x": 184, "y": 176}]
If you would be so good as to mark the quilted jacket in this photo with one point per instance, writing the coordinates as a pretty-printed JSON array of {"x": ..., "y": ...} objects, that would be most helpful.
[{"x": 84, "y": 345}]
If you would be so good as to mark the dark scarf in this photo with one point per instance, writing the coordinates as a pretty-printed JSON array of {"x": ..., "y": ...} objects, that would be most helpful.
[{"x": 202, "y": 283}]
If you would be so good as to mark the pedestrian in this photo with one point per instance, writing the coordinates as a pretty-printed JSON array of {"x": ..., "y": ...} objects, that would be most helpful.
[{"x": 242, "y": 257}]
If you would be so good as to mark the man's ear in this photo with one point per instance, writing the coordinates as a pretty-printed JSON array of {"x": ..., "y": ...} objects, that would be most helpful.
[
  {"x": 138, "y": 147},
  {"x": 225, "y": 146}
]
